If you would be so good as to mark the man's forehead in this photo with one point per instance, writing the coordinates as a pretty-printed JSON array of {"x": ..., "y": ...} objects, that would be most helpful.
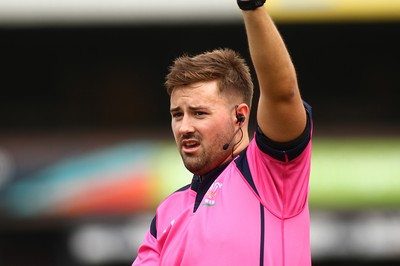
[
  {"x": 203, "y": 86},
  {"x": 196, "y": 91}
]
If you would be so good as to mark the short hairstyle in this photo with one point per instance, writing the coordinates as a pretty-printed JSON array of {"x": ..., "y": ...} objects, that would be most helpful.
[{"x": 225, "y": 66}]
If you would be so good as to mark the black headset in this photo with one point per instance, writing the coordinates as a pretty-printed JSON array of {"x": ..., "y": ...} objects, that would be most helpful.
[{"x": 239, "y": 117}]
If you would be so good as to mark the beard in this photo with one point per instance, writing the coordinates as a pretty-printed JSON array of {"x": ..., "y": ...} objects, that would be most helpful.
[
  {"x": 208, "y": 157},
  {"x": 195, "y": 164}
]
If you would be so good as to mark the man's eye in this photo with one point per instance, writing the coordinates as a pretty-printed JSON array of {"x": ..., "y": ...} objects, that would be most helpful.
[
  {"x": 200, "y": 113},
  {"x": 177, "y": 115}
]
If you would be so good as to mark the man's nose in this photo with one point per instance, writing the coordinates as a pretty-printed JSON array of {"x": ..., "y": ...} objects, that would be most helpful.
[{"x": 186, "y": 126}]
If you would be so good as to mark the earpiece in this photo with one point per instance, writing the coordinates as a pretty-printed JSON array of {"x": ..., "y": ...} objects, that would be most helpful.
[{"x": 240, "y": 118}]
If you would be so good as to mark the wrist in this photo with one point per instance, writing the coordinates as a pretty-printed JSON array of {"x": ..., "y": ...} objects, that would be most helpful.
[{"x": 250, "y": 4}]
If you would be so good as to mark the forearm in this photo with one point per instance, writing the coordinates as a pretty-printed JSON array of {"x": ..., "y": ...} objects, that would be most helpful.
[
  {"x": 281, "y": 115},
  {"x": 273, "y": 65}
]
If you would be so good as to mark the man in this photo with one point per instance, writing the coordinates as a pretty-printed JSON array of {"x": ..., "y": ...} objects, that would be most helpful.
[{"x": 248, "y": 200}]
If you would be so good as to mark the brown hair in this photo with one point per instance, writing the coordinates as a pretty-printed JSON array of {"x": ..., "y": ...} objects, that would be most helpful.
[{"x": 224, "y": 65}]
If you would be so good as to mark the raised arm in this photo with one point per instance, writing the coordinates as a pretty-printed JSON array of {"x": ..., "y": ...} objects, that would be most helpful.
[{"x": 281, "y": 115}]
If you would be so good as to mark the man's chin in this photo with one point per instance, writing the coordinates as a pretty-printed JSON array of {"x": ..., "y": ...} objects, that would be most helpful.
[{"x": 193, "y": 166}]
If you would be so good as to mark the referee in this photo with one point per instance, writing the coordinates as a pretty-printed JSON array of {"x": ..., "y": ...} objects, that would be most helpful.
[{"x": 247, "y": 203}]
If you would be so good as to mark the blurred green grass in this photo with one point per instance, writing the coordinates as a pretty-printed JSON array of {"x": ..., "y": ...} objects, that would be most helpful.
[{"x": 355, "y": 173}]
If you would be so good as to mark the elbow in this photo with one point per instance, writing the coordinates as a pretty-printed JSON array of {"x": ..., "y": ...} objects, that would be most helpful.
[
  {"x": 280, "y": 88},
  {"x": 287, "y": 91}
]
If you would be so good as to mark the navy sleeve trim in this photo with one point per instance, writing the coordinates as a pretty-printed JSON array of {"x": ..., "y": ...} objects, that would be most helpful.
[
  {"x": 293, "y": 148},
  {"x": 153, "y": 227}
]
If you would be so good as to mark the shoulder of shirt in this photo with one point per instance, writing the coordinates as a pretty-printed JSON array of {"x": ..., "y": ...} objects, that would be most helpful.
[
  {"x": 279, "y": 150},
  {"x": 176, "y": 194}
]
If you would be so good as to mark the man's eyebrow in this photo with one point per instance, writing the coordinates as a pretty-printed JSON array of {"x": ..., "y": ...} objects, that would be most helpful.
[
  {"x": 197, "y": 107},
  {"x": 173, "y": 110},
  {"x": 191, "y": 108}
]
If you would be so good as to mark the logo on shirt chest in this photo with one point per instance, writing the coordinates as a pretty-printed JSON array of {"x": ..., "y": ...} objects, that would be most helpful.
[{"x": 209, "y": 198}]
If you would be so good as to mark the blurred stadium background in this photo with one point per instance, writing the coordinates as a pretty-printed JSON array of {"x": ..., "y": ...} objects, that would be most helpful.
[{"x": 86, "y": 152}]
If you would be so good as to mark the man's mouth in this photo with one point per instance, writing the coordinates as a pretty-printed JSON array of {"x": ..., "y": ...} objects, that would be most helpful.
[{"x": 190, "y": 146}]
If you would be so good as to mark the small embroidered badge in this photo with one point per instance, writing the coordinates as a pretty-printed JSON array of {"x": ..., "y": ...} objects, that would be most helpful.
[{"x": 209, "y": 198}]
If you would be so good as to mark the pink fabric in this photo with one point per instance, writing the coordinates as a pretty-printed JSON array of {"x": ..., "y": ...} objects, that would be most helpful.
[{"x": 225, "y": 229}]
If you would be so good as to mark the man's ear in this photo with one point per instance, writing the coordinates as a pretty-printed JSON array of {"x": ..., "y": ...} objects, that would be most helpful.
[{"x": 242, "y": 112}]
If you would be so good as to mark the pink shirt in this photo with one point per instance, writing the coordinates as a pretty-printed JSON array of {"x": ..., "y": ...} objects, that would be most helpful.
[{"x": 254, "y": 212}]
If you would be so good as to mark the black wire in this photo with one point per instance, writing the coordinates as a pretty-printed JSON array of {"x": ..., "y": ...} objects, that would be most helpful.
[{"x": 240, "y": 140}]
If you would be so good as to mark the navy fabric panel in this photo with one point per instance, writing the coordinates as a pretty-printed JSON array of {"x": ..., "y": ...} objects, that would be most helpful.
[
  {"x": 262, "y": 237},
  {"x": 243, "y": 166}
]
